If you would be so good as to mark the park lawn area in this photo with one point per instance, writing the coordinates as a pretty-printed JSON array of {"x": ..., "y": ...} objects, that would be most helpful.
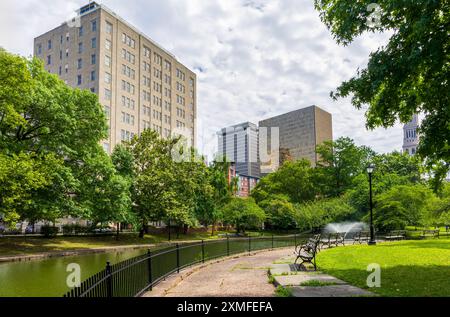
[
  {"x": 416, "y": 232},
  {"x": 408, "y": 268}
]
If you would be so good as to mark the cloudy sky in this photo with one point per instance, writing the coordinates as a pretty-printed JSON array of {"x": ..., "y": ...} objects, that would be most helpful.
[{"x": 254, "y": 58}]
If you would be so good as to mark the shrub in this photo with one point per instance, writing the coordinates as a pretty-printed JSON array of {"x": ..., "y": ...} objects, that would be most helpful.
[
  {"x": 280, "y": 212},
  {"x": 244, "y": 214},
  {"x": 402, "y": 205},
  {"x": 49, "y": 231},
  {"x": 74, "y": 229},
  {"x": 319, "y": 213}
]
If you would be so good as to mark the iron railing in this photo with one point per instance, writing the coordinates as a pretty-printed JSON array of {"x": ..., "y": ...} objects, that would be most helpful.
[{"x": 135, "y": 276}]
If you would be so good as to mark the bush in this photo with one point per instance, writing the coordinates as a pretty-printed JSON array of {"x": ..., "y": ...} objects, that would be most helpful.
[
  {"x": 402, "y": 205},
  {"x": 74, "y": 229},
  {"x": 391, "y": 216},
  {"x": 280, "y": 212},
  {"x": 49, "y": 231},
  {"x": 244, "y": 214},
  {"x": 319, "y": 213}
]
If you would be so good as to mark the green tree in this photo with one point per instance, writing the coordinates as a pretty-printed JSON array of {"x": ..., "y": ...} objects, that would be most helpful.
[
  {"x": 390, "y": 170},
  {"x": 390, "y": 216},
  {"x": 280, "y": 212},
  {"x": 316, "y": 214},
  {"x": 340, "y": 162},
  {"x": 402, "y": 164},
  {"x": 158, "y": 178},
  {"x": 439, "y": 212},
  {"x": 105, "y": 194},
  {"x": 20, "y": 176},
  {"x": 123, "y": 161},
  {"x": 214, "y": 194},
  {"x": 293, "y": 179},
  {"x": 402, "y": 205},
  {"x": 244, "y": 214},
  {"x": 408, "y": 75},
  {"x": 40, "y": 118}
]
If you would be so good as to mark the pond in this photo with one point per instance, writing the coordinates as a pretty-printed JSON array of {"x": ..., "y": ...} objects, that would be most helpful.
[{"x": 47, "y": 278}]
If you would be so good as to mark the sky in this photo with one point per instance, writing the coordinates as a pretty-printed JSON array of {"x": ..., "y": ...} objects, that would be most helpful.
[{"x": 254, "y": 59}]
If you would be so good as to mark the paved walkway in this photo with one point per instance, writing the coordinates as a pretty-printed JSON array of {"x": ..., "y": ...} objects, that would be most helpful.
[
  {"x": 244, "y": 276},
  {"x": 306, "y": 283},
  {"x": 247, "y": 276}
]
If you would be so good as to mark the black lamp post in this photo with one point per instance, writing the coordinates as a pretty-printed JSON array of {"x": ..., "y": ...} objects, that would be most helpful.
[
  {"x": 370, "y": 169},
  {"x": 169, "y": 228}
]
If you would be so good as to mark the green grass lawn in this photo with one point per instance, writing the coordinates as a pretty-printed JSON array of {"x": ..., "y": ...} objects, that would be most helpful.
[{"x": 408, "y": 268}]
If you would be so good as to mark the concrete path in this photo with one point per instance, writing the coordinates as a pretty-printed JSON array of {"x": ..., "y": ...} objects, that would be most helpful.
[
  {"x": 243, "y": 276},
  {"x": 305, "y": 283}
]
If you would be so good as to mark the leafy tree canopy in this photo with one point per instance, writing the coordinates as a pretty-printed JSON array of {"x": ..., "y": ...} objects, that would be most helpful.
[
  {"x": 409, "y": 75},
  {"x": 296, "y": 180},
  {"x": 44, "y": 120},
  {"x": 243, "y": 213},
  {"x": 340, "y": 162}
]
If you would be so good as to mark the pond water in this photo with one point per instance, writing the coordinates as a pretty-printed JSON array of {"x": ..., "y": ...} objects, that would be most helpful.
[{"x": 47, "y": 277}]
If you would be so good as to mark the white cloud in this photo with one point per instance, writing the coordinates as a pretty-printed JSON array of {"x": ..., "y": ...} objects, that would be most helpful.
[{"x": 253, "y": 58}]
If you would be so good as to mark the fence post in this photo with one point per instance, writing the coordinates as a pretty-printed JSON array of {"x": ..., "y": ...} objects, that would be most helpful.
[
  {"x": 228, "y": 245},
  {"x": 203, "y": 251},
  {"x": 108, "y": 280},
  {"x": 178, "y": 258},
  {"x": 249, "y": 243},
  {"x": 272, "y": 241},
  {"x": 149, "y": 264}
]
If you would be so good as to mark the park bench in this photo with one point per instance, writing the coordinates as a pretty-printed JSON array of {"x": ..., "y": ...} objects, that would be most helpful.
[
  {"x": 361, "y": 236},
  {"x": 332, "y": 239},
  {"x": 430, "y": 233},
  {"x": 307, "y": 251},
  {"x": 340, "y": 238},
  {"x": 396, "y": 235}
]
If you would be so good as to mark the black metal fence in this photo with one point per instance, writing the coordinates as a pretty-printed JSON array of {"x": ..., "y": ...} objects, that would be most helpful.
[{"x": 137, "y": 275}]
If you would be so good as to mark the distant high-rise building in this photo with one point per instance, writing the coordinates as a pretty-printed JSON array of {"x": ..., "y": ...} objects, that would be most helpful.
[
  {"x": 239, "y": 144},
  {"x": 300, "y": 132},
  {"x": 261, "y": 150},
  {"x": 410, "y": 135},
  {"x": 140, "y": 84}
]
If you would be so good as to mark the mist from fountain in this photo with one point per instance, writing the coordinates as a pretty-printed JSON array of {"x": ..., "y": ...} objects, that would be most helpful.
[{"x": 346, "y": 226}]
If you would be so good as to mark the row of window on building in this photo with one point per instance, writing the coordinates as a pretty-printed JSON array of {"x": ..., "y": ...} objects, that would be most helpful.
[
  {"x": 410, "y": 134},
  {"x": 67, "y": 37}
]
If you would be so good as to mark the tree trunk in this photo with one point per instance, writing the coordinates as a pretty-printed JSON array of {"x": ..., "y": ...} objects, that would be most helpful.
[
  {"x": 117, "y": 231},
  {"x": 212, "y": 229},
  {"x": 142, "y": 231}
]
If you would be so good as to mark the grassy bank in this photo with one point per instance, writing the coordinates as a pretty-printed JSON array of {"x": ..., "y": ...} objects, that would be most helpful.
[
  {"x": 10, "y": 246},
  {"x": 408, "y": 268}
]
